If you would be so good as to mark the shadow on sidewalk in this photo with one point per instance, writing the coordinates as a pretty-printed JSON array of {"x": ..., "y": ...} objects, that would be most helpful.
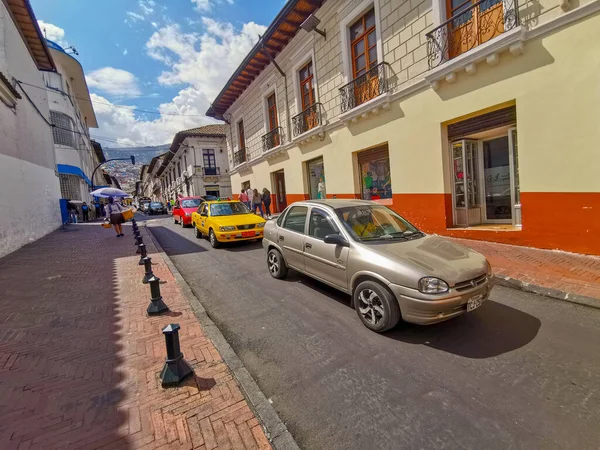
[
  {"x": 490, "y": 331},
  {"x": 60, "y": 347}
]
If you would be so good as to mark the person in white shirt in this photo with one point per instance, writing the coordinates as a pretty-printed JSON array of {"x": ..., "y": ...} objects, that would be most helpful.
[
  {"x": 114, "y": 213},
  {"x": 250, "y": 194}
]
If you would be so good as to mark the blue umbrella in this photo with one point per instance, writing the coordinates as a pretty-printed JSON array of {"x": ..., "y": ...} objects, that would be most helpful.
[{"x": 109, "y": 192}]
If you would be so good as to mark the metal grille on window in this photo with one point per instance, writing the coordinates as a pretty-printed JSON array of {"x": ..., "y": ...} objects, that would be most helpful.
[
  {"x": 69, "y": 187},
  {"x": 62, "y": 131}
]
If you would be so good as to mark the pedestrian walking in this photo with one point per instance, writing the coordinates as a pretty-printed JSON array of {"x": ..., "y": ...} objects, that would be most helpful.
[
  {"x": 266, "y": 199},
  {"x": 114, "y": 212},
  {"x": 257, "y": 202},
  {"x": 250, "y": 194},
  {"x": 98, "y": 209},
  {"x": 244, "y": 198},
  {"x": 72, "y": 210},
  {"x": 85, "y": 211}
]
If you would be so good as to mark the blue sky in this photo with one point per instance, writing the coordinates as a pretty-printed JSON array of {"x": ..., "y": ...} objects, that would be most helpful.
[{"x": 171, "y": 56}]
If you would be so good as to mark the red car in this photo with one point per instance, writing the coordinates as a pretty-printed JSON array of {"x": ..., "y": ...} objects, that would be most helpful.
[{"x": 183, "y": 209}]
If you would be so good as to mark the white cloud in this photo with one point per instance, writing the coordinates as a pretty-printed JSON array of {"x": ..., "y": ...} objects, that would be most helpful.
[
  {"x": 206, "y": 5},
  {"x": 154, "y": 24},
  {"x": 125, "y": 52},
  {"x": 114, "y": 82},
  {"x": 54, "y": 33},
  {"x": 205, "y": 60},
  {"x": 134, "y": 17},
  {"x": 123, "y": 126},
  {"x": 147, "y": 6},
  {"x": 199, "y": 62}
]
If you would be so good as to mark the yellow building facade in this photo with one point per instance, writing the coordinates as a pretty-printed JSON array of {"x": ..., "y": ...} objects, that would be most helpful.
[{"x": 478, "y": 120}]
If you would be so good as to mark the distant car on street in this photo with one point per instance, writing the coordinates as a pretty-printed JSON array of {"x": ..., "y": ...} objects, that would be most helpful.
[
  {"x": 183, "y": 209},
  {"x": 391, "y": 269},
  {"x": 226, "y": 221},
  {"x": 144, "y": 207},
  {"x": 157, "y": 208}
]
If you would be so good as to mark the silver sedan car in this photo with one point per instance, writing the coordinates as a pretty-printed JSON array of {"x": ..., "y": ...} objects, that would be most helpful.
[{"x": 390, "y": 268}]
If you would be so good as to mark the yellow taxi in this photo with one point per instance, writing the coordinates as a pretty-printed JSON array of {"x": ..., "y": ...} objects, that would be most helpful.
[{"x": 226, "y": 221}]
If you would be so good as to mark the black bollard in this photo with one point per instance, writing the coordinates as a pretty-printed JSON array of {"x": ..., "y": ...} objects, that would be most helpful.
[
  {"x": 139, "y": 240},
  {"x": 148, "y": 270},
  {"x": 156, "y": 305},
  {"x": 176, "y": 368},
  {"x": 142, "y": 249},
  {"x": 135, "y": 229}
]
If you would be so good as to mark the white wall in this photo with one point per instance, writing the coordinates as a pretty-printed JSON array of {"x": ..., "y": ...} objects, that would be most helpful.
[{"x": 29, "y": 187}]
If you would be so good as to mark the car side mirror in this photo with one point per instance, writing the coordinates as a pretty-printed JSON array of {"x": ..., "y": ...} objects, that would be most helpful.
[{"x": 336, "y": 239}]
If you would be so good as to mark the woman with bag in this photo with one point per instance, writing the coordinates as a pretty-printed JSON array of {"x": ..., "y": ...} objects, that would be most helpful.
[{"x": 114, "y": 213}]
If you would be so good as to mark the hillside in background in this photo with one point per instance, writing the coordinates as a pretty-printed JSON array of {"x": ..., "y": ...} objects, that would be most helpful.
[{"x": 143, "y": 155}]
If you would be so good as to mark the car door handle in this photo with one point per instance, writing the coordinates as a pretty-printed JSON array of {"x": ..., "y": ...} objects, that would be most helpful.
[
  {"x": 281, "y": 238},
  {"x": 308, "y": 246}
]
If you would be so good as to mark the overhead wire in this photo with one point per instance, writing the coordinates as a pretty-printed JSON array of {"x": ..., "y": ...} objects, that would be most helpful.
[{"x": 46, "y": 88}]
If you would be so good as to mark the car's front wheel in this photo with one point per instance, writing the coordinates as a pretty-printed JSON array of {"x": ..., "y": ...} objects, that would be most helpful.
[
  {"x": 376, "y": 306},
  {"x": 213, "y": 239},
  {"x": 276, "y": 264}
]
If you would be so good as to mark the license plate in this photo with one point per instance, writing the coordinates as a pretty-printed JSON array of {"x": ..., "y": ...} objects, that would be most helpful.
[
  {"x": 247, "y": 233},
  {"x": 474, "y": 302}
]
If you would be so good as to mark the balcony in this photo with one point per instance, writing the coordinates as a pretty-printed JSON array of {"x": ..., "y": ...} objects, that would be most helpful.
[
  {"x": 239, "y": 157},
  {"x": 272, "y": 139},
  {"x": 308, "y": 119},
  {"x": 211, "y": 171},
  {"x": 365, "y": 87},
  {"x": 474, "y": 26}
]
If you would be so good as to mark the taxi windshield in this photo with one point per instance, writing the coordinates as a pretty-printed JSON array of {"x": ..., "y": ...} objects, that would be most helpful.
[
  {"x": 375, "y": 222},
  {"x": 191, "y": 203},
  {"x": 228, "y": 209}
]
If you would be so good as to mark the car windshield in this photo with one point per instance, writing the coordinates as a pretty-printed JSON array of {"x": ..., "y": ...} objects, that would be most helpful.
[
  {"x": 156, "y": 204},
  {"x": 375, "y": 222},
  {"x": 191, "y": 203},
  {"x": 228, "y": 209}
]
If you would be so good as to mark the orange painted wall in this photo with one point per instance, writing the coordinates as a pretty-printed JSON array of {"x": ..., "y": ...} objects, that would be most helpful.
[{"x": 568, "y": 221}]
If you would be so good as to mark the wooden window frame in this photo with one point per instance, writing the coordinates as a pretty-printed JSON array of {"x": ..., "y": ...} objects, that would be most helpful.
[
  {"x": 272, "y": 119},
  {"x": 364, "y": 37},
  {"x": 307, "y": 81},
  {"x": 241, "y": 134}
]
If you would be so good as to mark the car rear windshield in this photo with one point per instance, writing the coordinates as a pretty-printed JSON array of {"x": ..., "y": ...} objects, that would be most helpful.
[
  {"x": 192, "y": 203},
  {"x": 156, "y": 205},
  {"x": 228, "y": 209},
  {"x": 375, "y": 223}
]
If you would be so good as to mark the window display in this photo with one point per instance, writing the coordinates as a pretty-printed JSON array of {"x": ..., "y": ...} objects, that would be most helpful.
[
  {"x": 376, "y": 180},
  {"x": 316, "y": 178}
]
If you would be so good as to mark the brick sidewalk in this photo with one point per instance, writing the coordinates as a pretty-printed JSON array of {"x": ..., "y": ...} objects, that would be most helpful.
[
  {"x": 79, "y": 358},
  {"x": 567, "y": 272}
]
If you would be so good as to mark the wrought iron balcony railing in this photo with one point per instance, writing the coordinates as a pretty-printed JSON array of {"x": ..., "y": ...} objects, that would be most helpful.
[
  {"x": 473, "y": 26},
  {"x": 239, "y": 157},
  {"x": 365, "y": 87},
  {"x": 272, "y": 139},
  {"x": 211, "y": 171},
  {"x": 308, "y": 119}
]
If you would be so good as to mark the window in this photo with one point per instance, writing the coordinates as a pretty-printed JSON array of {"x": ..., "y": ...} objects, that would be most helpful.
[
  {"x": 376, "y": 222},
  {"x": 272, "y": 112},
  {"x": 321, "y": 224},
  {"x": 210, "y": 163},
  {"x": 307, "y": 89},
  {"x": 241, "y": 134},
  {"x": 363, "y": 44},
  {"x": 62, "y": 130},
  {"x": 69, "y": 187},
  {"x": 228, "y": 209},
  {"x": 374, "y": 166},
  {"x": 295, "y": 219},
  {"x": 179, "y": 167}
]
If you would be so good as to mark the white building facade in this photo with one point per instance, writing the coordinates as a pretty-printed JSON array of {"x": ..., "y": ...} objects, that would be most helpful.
[
  {"x": 72, "y": 115},
  {"x": 196, "y": 164},
  {"x": 28, "y": 179}
]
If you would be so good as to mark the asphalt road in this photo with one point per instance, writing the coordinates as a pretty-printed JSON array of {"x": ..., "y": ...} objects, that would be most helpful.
[{"x": 521, "y": 372}]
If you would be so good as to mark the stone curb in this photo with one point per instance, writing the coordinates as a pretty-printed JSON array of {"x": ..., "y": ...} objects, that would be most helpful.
[
  {"x": 275, "y": 429},
  {"x": 591, "y": 302}
]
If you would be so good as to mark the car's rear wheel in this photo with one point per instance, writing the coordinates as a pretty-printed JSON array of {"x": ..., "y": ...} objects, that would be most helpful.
[
  {"x": 198, "y": 233},
  {"x": 376, "y": 306},
  {"x": 276, "y": 264},
  {"x": 213, "y": 239}
]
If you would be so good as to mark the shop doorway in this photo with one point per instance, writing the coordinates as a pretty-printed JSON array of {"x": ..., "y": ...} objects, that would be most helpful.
[
  {"x": 279, "y": 190},
  {"x": 485, "y": 179},
  {"x": 213, "y": 190}
]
